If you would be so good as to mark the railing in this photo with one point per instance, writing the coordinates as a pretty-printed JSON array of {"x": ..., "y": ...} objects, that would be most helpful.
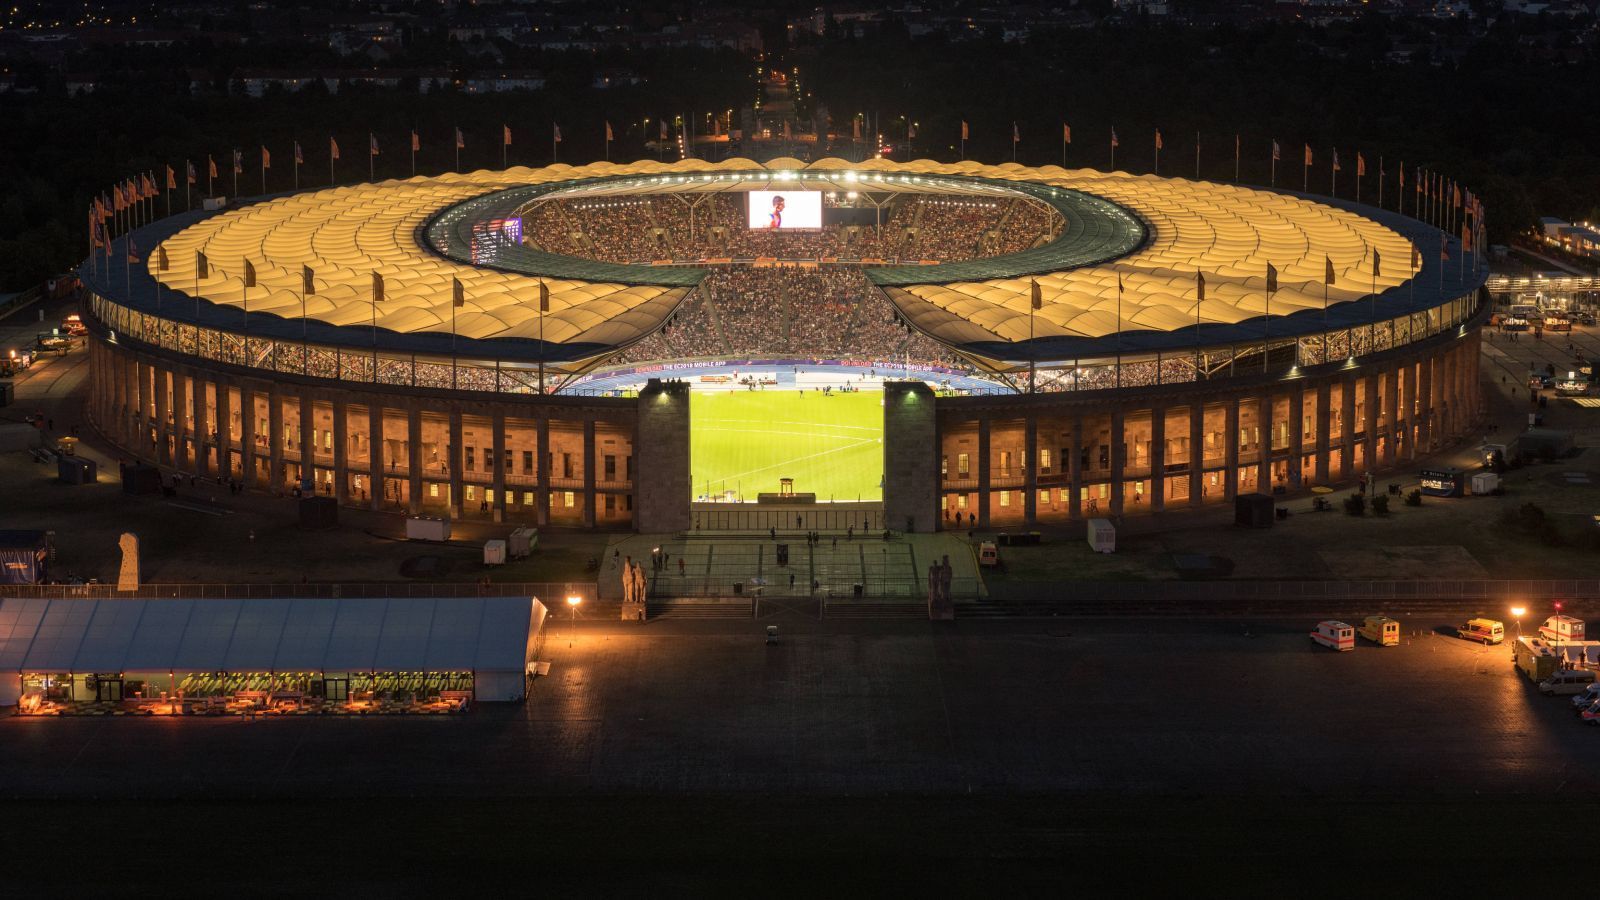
[{"x": 22, "y": 301}]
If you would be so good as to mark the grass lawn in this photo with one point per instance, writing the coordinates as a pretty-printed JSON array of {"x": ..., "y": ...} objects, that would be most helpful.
[{"x": 746, "y": 441}]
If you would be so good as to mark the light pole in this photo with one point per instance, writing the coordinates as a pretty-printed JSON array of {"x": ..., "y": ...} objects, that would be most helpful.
[
  {"x": 1517, "y": 612},
  {"x": 572, "y": 601}
]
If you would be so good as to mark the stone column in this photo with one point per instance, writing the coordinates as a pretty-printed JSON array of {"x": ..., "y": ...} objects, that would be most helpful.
[
  {"x": 541, "y": 428},
  {"x": 202, "y": 429},
  {"x": 497, "y": 423},
  {"x": 247, "y": 435},
  {"x": 1030, "y": 468},
  {"x": 1369, "y": 421},
  {"x": 341, "y": 451},
  {"x": 911, "y": 450},
  {"x": 414, "y": 456},
  {"x": 178, "y": 404},
  {"x": 1347, "y": 433},
  {"x": 224, "y": 415},
  {"x": 588, "y": 471},
  {"x": 1426, "y": 398},
  {"x": 144, "y": 377},
  {"x": 661, "y": 485},
  {"x": 1075, "y": 488},
  {"x": 1158, "y": 459},
  {"x": 1297, "y": 436},
  {"x": 1119, "y": 458},
  {"x": 453, "y": 458},
  {"x": 1391, "y": 414},
  {"x": 1264, "y": 429},
  {"x": 1197, "y": 453},
  {"x": 983, "y": 471},
  {"x": 377, "y": 471},
  {"x": 163, "y": 423},
  {"x": 275, "y": 440},
  {"x": 1322, "y": 439},
  {"x": 1230, "y": 451},
  {"x": 308, "y": 439}
]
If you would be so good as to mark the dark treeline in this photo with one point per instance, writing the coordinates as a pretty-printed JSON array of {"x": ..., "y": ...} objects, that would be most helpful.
[
  {"x": 1518, "y": 131},
  {"x": 1490, "y": 112}
]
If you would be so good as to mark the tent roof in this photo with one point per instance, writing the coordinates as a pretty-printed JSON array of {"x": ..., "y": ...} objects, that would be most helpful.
[{"x": 387, "y": 635}]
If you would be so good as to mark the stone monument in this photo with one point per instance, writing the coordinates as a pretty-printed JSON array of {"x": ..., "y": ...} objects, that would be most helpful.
[{"x": 128, "y": 575}]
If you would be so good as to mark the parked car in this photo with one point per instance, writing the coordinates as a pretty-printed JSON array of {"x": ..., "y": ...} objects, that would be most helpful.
[{"x": 1592, "y": 714}]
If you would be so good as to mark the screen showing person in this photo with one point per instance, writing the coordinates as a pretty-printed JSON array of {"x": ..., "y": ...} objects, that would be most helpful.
[{"x": 784, "y": 210}]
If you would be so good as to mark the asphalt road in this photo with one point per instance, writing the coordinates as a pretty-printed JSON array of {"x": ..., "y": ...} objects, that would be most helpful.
[{"x": 696, "y": 744}]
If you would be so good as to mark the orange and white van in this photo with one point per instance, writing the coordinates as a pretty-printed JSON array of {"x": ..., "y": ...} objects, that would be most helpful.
[
  {"x": 1334, "y": 635},
  {"x": 1381, "y": 630},
  {"x": 1562, "y": 628}
]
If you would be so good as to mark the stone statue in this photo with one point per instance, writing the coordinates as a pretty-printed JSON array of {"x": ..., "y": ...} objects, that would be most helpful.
[{"x": 128, "y": 575}]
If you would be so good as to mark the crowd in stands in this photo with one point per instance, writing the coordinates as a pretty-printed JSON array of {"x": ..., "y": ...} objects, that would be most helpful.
[{"x": 640, "y": 229}]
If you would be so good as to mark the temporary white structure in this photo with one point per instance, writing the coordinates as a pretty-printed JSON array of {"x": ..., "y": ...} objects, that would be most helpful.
[{"x": 494, "y": 638}]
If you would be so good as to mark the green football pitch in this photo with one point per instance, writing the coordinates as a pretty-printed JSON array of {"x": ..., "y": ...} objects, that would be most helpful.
[{"x": 744, "y": 441}]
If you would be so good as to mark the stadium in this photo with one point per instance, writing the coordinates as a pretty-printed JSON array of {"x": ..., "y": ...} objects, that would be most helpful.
[{"x": 743, "y": 345}]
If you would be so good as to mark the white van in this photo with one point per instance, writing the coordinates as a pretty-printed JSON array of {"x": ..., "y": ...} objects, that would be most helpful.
[
  {"x": 1334, "y": 635},
  {"x": 1567, "y": 681},
  {"x": 1586, "y": 697}
]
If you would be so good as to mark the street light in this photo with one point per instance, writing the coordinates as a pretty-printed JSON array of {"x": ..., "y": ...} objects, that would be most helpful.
[
  {"x": 1517, "y": 612},
  {"x": 573, "y": 600}
]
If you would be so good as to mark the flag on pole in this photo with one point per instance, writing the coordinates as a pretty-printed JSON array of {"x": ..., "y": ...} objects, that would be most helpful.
[
  {"x": 555, "y": 133},
  {"x": 911, "y": 130},
  {"x": 202, "y": 266},
  {"x": 1038, "y": 295},
  {"x": 609, "y": 135},
  {"x": 964, "y": 132},
  {"x": 148, "y": 185},
  {"x": 1327, "y": 274},
  {"x": 505, "y": 135},
  {"x": 1377, "y": 263},
  {"x": 461, "y": 140},
  {"x": 1336, "y": 166},
  {"x": 266, "y": 159},
  {"x": 1272, "y": 278},
  {"x": 372, "y": 144},
  {"x": 1309, "y": 156},
  {"x": 377, "y": 287},
  {"x": 249, "y": 274},
  {"x": 1016, "y": 135},
  {"x": 664, "y": 134},
  {"x": 1200, "y": 285},
  {"x": 192, "y": 177},
  {"x": 172, "y": 179},
  {"x": 544, "y": 297},
  {"x": 1066, "y": 133},
  {"x": 161, "y": 258},
  {"x": 416, "y": 141},
  {"x": 855, "y": 128},
  {"x": 133, "y": 250},
  {"x": 118, "y": 201},
  {"x": 1416, "y": 257},
  {"x": 333, "y": 147},
  {"x": 211, "y": 166},
  {"x": 458, "y": 293},
  {"x": 238, "y": 161},
  {"x": 1277, "y": 153},
  {"x": 1114, "y": 141},
  {"x": 1159, "y": 145},
  {"x": 308, "y": 284},
  {"x": 1361, "y": 165},
  {"x": 299, "y": 158}
]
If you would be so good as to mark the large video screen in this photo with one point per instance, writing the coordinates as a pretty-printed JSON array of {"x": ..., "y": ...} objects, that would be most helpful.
[{"x": 785, "y": 210}]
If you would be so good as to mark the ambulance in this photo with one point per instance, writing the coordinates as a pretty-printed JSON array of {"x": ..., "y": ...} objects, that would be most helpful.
[
  {"x": 1334, "y": 635},
  {"x": 1381, "y": 630},
  {"x": 1562, "y": 628}
]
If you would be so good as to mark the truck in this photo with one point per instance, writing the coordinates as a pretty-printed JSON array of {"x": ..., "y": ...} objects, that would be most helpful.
[{"x": 1535, "y": 658}]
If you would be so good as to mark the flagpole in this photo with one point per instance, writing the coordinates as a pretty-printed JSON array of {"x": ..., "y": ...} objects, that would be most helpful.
[
  {"x": 1197, "y": 156},
  {"x": 235, "y": 174},
  {"x": 188, "y": 204},
  {"x": 263, "y": 171},
  {"x": 458, "y": 148},
  {"x": 169, "y": 201},
  {"x": 297, "y": 165},
  {"x": 1333, "y": 180},
  {"x": 1236, "y": 159},
  {"x": 413, "y": 152},
  {"x": 211, "y": 164},
  {"x": 541, "y": 337},
  {"x": 372, "y": 161},
  {"x": 1274, "y": 181}
]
